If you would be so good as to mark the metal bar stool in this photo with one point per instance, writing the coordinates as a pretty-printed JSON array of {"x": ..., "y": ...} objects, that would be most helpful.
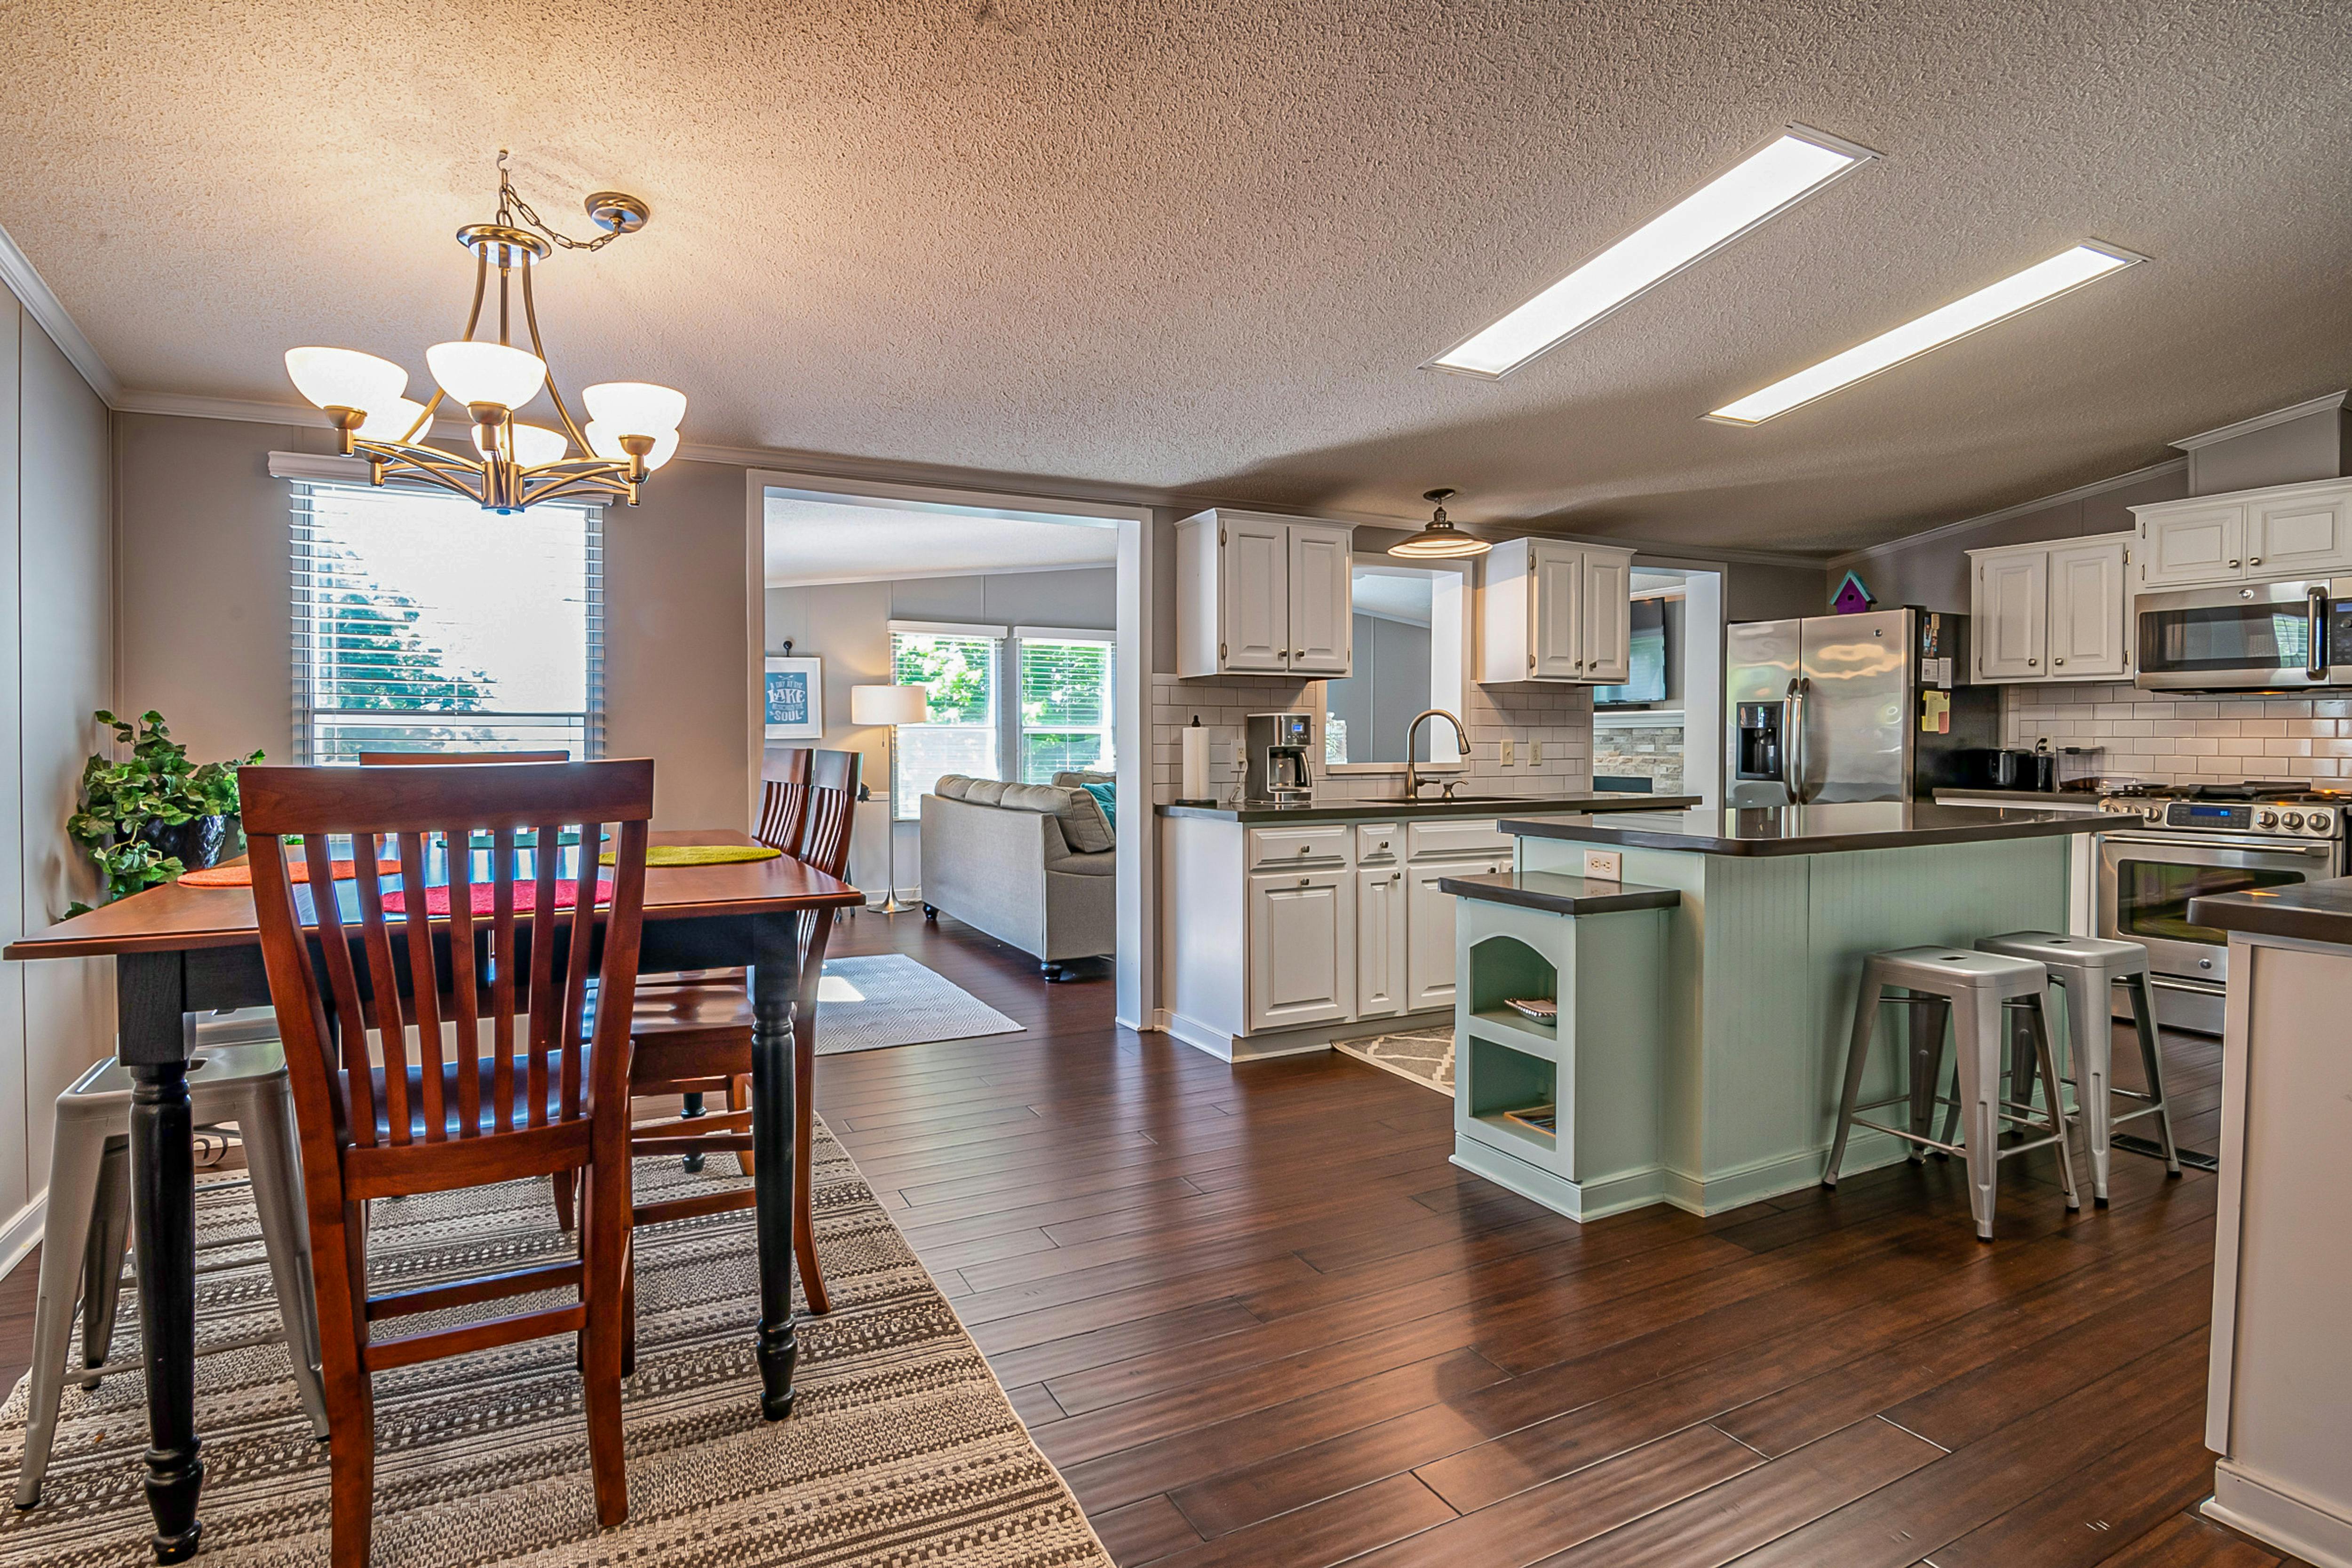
[
  {"x": 1974, "y": 989},
  {"x": 89, "y": 1225},
  {"x": 2085, "y": 967}
]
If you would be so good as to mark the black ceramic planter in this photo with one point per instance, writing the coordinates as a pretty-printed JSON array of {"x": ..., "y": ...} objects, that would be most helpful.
[{"x": 199, "y": 842}]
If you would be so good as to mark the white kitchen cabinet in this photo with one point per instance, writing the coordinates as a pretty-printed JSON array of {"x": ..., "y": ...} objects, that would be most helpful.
[
  {"x": 2200, "y": 542},
  {"x": 2285, "y": 531},
  {"x": 2059, "y": 611},
  {"x": 1429, "y": 928},
  {"x": 1260, "y": 595},
  {"x": 1302, "y": 948},
  {"x": 1380, "y": 940},
  {"x": 1551, "y": 610},
  {"x": 2090, "y": 617},
  {"x": 2307, "y": 535}
]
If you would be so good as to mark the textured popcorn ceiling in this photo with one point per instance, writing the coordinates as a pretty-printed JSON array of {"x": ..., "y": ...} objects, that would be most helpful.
[{"x": 1201, "y": 248}]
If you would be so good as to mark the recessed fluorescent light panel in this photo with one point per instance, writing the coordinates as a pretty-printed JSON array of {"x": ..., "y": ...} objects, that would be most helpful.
[
  {"x": 1768, "y": 181},
  {"x": 1997, "y": 302}
]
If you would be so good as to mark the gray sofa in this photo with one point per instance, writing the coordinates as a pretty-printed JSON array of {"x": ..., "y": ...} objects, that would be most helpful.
[{"x": 1029, "y": 864}]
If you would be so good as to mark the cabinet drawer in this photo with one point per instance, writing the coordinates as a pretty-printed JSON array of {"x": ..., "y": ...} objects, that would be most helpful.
[
  {"x": 1472, "y": 836},
  {"x": 1297, "y": 846},
  {"x": 1378, "y": 843}
]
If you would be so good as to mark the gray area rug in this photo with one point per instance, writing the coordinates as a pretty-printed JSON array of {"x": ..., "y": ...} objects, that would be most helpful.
[
  {"x": 1424, "y": 1056},
  {"x": 902, "y": 1449},
  {"x": 888, "y": 999}
]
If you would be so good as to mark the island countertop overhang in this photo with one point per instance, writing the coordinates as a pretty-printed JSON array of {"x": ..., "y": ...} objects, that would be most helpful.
[{"x": 1822, "y": 829}]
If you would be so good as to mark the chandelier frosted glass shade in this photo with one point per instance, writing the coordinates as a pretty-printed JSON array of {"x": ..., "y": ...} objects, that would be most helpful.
[
  {"x": 634, "y": 408},
  {"x": 530, "y": 445},
  {"x": 487, "y": 372},
  {"x": 605, "y": 442},
  {"x": 345, "y": 378}
]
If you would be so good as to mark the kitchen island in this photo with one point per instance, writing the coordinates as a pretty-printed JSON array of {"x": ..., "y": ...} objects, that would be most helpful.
[{"x": 1698, "y": 1049}]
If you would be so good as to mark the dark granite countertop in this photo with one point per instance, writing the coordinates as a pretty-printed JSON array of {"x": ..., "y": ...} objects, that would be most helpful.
[
  {"x": 1559, "y": 894},
  {"x": 1382, "y": 811},
  {"x": 1827, "y": 829},
  {"x": 2309, "y": 911}
]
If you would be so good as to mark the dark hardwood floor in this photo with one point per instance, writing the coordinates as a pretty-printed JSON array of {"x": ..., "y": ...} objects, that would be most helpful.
[{"x": 1256, "y": 1317}]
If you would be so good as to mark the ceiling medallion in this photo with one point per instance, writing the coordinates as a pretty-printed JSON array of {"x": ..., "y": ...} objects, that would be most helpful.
[
  {"x": 632, "y": 425},
  {"x": 1440, "y": 540}
]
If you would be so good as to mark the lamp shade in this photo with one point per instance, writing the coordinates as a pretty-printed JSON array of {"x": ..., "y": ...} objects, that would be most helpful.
[
  {"x": 1440, "y": 540},
  {"x": 345, "y": 378},
  {"x": 634, "y": 408},
  {"x": 487, "y": 372},
  {"x": 605, "y": 442},
  {"x": 394, "y": 420},
  {"x": 888, "y": 705},
  {"x": 533, "y": 444}
]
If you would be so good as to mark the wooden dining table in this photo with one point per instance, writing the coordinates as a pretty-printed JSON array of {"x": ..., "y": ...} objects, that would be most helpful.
[{"x": 180, "y": 952}]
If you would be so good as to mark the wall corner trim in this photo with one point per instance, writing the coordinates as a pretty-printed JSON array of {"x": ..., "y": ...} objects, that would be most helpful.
[
  {"x": 23, "y": 1233},
  {"x": 1987, "y": 520},
  {"x": 2261, "y": 422},
  {"x": 41, "y": 302}
]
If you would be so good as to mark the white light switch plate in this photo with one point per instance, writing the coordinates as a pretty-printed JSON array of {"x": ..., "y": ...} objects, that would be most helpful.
[
  {"x": 1510, "y": 747},
  {"x": 1604, "y": 865}
]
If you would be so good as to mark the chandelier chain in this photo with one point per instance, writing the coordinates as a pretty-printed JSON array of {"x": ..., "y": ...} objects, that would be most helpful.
[{"x": 512, "y": 206}]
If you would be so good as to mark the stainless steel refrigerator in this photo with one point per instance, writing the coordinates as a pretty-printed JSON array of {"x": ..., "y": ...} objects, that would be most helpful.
[{"x": 1845, "y": 708}]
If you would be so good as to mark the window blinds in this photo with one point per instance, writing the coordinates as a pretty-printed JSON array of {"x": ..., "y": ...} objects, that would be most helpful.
[{"x": 421, "y": 622}]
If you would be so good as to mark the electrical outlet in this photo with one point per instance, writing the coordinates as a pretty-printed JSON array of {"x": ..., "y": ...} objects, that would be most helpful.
[
  {"x": 1604, "y": 865},
  {"x": 1510, "y": 747},
  {"x": 1535, "y": 754}
]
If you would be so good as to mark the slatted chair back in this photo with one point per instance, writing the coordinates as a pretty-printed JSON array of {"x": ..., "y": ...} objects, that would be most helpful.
[
  {"x": 455, "y": 758},
  {"x": 783, "y": 795},
  {"x": 832, "y": 807},
  {"x": 508, "y": 982}
]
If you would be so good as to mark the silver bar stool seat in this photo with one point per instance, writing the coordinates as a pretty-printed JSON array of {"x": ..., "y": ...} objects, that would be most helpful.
[
  {"x": 2086, "y": 968},
  {"x": 88, "y": 1225},
  {"x": 1975, "y": 991}
]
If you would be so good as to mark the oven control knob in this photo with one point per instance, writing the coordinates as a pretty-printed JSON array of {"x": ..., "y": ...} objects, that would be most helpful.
[
  {"x": 2292, "y": 820},
  {"x": 2321, "y": 821},
  {"x": 2271, "y": 819}
]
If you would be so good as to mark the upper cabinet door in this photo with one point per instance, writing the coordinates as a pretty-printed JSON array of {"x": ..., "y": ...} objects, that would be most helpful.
[
  {"x": 1608, "y": 628},
  {"x": 1320, "y": 621},
  {"x": 1253, "y": 596},
  {"x": 2198, "y": 544},
  {"x": 2009, "y": 614},
  {"x": 2087, "y": 619},
  {"x": 1555, "y": 603},
  {"x": 2306, "y": 535}
]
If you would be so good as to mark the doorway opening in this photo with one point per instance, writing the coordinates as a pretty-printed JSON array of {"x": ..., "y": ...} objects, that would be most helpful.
[{"x": 1660, "y": 733}]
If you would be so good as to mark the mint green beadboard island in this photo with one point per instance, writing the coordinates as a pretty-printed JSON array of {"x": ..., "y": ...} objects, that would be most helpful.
[{"x": 1704, "y": 993}]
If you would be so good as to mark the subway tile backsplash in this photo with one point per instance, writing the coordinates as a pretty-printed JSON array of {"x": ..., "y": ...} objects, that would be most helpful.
[
  {"x": 2170, "y": 738},
  {"x": 1556, "y": 719}
]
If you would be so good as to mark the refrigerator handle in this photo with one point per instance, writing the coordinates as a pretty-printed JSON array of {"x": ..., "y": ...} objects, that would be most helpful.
[{"x": 1792, "y": 741}]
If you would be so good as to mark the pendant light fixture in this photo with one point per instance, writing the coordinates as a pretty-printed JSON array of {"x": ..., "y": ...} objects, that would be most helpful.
[
  {"x": 632, "y": 425},
  {"x": 1440, "y": 540}
]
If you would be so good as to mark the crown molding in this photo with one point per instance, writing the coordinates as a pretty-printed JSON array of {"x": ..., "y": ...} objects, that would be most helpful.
[
  {"x": 2261, "y": 422},
  {"x": 193, "y": 405},
  {"x": 41, "y": 302},
  {"x": 2023, "y": 509}
]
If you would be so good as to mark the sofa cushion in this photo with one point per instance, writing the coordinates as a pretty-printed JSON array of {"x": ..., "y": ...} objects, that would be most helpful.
[
  {"x": 953, "y": 786},
  {"x": 1084, "y": 828},
  {"x": 986, "y": 792},
  {"x": 1101, "y": 863},
  {"x": 1085, "y": 777}
]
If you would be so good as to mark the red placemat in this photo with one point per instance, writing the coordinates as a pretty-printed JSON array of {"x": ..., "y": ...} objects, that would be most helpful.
[
  {"x": 484, "y": 901},
  {"x": 242, "y": 875}
]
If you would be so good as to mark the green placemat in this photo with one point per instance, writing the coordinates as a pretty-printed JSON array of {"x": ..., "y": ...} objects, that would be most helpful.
[{"x": 701, "y": 854}]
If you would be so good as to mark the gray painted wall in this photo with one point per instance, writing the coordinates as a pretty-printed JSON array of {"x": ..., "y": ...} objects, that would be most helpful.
[
  {"x": 56, "y": 664},
  {"x": 2311, "y": 448},
  {"x": 1391, "y": 685}
]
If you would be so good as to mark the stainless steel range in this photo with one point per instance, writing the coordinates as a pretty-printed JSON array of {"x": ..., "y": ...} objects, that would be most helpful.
[{"x": 2192, "y": 840}]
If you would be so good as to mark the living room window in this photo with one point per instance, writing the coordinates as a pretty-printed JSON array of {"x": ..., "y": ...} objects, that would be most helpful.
[
  {"x": 957, "y": 666},
  {"x": 421, "y": 623},
  {"x": 1066, "y": 701}
]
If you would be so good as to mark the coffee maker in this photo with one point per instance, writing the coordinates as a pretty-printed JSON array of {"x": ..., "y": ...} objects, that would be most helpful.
[{"x": 1280, "y": 752}]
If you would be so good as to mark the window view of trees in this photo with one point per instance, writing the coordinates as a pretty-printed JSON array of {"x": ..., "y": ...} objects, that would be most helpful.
[
  {"x": 1066, "y": 708},
  {"x": 959, "y": 675}
]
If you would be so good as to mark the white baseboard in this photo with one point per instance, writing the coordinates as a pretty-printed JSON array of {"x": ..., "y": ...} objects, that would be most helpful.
[
  {"x": 2276, "y": 1518},
  {"x": 23, "y": 1233}
]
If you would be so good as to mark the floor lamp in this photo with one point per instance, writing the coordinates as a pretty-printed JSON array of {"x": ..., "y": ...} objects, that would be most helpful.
[{"x": 894, "y": 706}]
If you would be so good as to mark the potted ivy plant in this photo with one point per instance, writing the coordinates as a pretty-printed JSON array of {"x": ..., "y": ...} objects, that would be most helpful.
[{"x": 150, "y": 818}]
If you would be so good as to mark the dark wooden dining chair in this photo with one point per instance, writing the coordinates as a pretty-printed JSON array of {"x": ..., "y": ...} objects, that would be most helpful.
[
  {"x": 696, "y": 1039},
  {"x": 453, "y": 758},
  {"x": 783, "y": 796},
  {"x": 546, "y": 1101}
]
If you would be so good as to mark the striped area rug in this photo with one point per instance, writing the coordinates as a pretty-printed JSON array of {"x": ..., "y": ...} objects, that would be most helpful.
[{"x": 902, "y": 1449}]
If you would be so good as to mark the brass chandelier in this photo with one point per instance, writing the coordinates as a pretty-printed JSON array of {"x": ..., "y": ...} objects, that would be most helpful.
[{"x": 632, "y": 427}]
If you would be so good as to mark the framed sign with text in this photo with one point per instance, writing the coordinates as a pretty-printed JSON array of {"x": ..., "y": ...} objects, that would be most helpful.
[{"x": 792, "y": 698}]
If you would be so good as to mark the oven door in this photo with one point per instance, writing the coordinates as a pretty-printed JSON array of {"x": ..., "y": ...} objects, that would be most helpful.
[
  {"x": 2252, "y": 636},
  {"x": 2146, "y": 880}
]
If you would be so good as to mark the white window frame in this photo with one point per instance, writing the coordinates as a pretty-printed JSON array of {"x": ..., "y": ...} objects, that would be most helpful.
[
  {"x": 1019, "y": 728},
  {"x": 308, "y": 471},
  {"x": 905, "y": 805}
]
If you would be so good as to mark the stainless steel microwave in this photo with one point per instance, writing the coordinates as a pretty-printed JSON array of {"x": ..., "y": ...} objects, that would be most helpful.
[{"x": 2245, "y": 637}]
